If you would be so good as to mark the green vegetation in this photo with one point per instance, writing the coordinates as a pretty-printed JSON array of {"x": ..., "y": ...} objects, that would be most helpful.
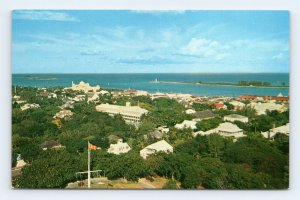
[
  {"x": 254, "y": 83},
  {"x": 210, "y": 162},
  {"x": 241, "y": 83},
  {"x": 208, "y": 124},
  {"x": 244, "y": 83},
  {"x": 200, "y": 106},
  {"x": 170, "y": 184}
]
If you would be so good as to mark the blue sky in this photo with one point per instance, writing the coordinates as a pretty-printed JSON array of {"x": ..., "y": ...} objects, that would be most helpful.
[{"x": 66, "y": 41}]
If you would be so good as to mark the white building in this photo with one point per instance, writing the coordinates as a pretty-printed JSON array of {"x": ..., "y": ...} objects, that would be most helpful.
[
  {"x": 119, "y": 148},
  {"x": 85, "y": 87},
  {"x": 160, "y": 146},
  {"x": 281, "y": 129},
  {"x": 187, "y": 124},
  {"x": 158, "y": 95},
  {"x": 163, "y": 129},
  {"x": 29, "y": 106},
  {"x": 80, "y": 97},
  {"x": 52, "y": 95},
  {"x": 103, "y": 92},
  {"x": 159, "y": 132},
  {"x": 131, "y": 114},
  {"x": 63, "y": 114},
  {"x": 93, "y": 96},
  {"x": 179, "y": 97},
  {"x": 17, "y": 98},
  {"x": 190, "y": 111},
  {"x": 261, "y": 108},
  {"x": 141, "y": 93},
  {"x": 69, "y": 104},
  {"x": 225, "y": 129},
  {"x": 203, "y": 133},
  {"x": 20, "y": 162},
  {"x": 235, "y": 117},
  {"x": 237, "y": 105}
]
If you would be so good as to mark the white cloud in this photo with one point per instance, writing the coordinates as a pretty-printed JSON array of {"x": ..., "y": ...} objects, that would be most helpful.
[
  {"x": 42, "y": 15},
  {"x": 207, "y": 48},
  {"x": 278, "y": 56}
]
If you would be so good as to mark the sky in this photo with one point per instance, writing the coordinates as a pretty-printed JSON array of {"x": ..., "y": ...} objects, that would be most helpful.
[{"x": 145, "y": 41}]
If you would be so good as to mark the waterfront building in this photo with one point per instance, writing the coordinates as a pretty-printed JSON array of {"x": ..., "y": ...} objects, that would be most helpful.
[
  {"x": 235, "y": 117},
  {"x": 158, "y": 95},
  {"x": 261, "y": 108},
  {"x": 255, "y": 97},
  {"x": 142, "y": 93},
  {"x": 135, "y": 93},
  {"x": 129, "y": 92},
  {"x": 85, "y": 87},
  {"x": 160, "y": 146},
  {"x": 131, "y": 114},
  {"x": 119, "y": 148},
  {"x": 29, "y": 106}
]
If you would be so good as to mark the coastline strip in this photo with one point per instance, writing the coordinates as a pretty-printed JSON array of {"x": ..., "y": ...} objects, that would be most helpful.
[{"x": 217, "y": 84}]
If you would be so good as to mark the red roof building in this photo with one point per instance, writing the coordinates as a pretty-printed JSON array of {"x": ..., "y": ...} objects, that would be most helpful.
[
  {"x": 219, "y": 105},
  {"x": 252, "y": 97}
]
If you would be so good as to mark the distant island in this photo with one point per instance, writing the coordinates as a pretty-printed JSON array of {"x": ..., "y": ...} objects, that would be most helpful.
[
  {"x": 242, "y": 83},
  {"x": 40, "y": 79}
]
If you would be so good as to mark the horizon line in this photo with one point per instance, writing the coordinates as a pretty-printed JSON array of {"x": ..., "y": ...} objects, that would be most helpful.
[{"x": 151, "y": 73}]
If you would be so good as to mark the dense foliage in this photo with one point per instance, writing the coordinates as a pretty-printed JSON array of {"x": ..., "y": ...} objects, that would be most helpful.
[{"x": 211, "y": 162}]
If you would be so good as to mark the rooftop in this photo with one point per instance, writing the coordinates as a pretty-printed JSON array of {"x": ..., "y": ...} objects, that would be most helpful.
[
  {"x": 204, "y": 114},
  {"x": 161, "y": 145},
  {"x": 228, "y": 127},
  {"x": 236, "y": 116}
]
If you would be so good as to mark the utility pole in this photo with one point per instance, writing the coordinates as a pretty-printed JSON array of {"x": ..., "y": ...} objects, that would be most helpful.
[{"x": 89, "y": 170}]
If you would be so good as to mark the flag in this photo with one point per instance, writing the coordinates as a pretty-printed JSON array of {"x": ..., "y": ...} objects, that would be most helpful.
[{"x": 93, "y": 147}]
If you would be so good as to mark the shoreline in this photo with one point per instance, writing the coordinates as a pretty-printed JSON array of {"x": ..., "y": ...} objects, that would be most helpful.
[{"x": 216, "y": 84}]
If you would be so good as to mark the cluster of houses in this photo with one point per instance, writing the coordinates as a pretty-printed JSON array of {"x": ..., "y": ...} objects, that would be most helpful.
[
  {"x": 29, "y": 106},
  {"x": 161, "y": 146},
  {"x": 133, "y": 114}
]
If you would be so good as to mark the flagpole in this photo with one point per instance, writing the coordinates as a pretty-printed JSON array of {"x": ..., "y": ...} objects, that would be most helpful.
[{"x": 89, "y": 159}]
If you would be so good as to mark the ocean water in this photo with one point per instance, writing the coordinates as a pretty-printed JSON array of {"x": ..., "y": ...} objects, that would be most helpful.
[{"x": 143, "y": 82}]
